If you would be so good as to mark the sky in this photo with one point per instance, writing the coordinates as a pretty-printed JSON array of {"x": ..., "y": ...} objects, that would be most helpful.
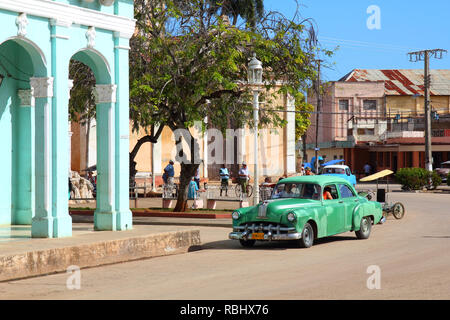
[{"x": 403, "y": 26}]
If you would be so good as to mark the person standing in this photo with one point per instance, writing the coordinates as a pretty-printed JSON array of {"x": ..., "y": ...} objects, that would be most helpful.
[
  {"x": 244, "y": 177},
  {"x": 224, "y": 177},
  {"x": 197, "y": 178},
  {"x": 367, "y": 168},
  {"x": 169, "y": 173}
]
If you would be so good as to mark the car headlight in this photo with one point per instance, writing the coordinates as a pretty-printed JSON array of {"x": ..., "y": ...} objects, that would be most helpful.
[
  {"x": 235, "y": 215},
  {"x": 291, "y": 217}
]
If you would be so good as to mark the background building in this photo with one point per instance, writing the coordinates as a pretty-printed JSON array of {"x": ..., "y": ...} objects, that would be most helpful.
[{"x": 376, "y": 117}]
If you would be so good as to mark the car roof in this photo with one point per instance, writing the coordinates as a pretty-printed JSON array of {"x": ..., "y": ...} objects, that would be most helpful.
[
  {"x": 318, "y": 179},
  {"x": 339, "y": 166}
]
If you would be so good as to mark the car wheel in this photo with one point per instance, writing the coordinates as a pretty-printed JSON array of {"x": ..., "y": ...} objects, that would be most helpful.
[
  {"x": 398, "y": 210},
  {"x": 247, "y": 243},
  {"x": 365, "y": 228},
  {"x": 307, "y": 239}
]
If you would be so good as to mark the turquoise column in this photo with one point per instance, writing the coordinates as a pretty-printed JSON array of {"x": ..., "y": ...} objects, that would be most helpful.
[
  {"x": 62, "y": 222},
  {"x": 105, "y": 217},
  {"x": 122, "y": 143},
  {"x": 42, "y": 222},
  {"x": 24, "y": 160}
]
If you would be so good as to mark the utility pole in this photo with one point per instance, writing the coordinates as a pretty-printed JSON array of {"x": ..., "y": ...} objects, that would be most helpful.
[
  {"x": 318, "y": 107},
  {"x": 425, "y": 55}
]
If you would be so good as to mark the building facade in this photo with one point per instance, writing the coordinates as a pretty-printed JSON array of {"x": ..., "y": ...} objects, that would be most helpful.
[
  {"x": 38, "y": 38},
  {"x": 376, "y": 117}
]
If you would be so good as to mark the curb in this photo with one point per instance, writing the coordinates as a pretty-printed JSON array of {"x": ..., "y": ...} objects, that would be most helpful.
[
  {"x": 48, "y": 261},
  {"x": 160, "y": 214}
]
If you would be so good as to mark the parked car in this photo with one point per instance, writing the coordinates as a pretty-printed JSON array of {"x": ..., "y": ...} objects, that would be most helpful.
[
  {"x": 341, "y": 171},
  {"x": 444, "y": 170},
  {"x": 297, "y": 211}
]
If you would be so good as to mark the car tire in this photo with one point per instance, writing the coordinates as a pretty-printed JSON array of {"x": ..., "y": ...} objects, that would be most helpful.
[
  {"x": 247, "y": 243},
  {"x": 398, "y": 210},
  {"x": 307, "y": 238},
  {"x": 365, "y": 228}
]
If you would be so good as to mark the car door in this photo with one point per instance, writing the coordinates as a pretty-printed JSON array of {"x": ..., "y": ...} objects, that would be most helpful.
[
  {"x": 349, "y": 200},
  {"x": 334, "y": 211}
]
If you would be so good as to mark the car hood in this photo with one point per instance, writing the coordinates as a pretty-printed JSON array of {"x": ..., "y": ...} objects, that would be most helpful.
[{"x": 272, "y": 209}]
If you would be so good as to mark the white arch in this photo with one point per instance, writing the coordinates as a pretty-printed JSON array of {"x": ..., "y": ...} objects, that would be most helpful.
[
  {"x": 31, "y": 43},
  {"x": 99, "y": 54}
]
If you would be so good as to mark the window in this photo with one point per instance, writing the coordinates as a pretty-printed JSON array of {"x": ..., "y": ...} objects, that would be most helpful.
[
  {"x": 334, "y": 171},
  {"x": 370, "y": 104},
  {"x": 343, "y": 105},
  {"x": 346, "y": 192},
  {"x": 332, "y": 190},
  {"x": 366, "y": 132},
  {"x": 347, "y": 170},
  {"x": 296, "y": 190}
]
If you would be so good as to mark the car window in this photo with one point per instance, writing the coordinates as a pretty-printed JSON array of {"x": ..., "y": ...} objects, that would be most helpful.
[
  {"x": 348, "y": 171},
  {"x": 296, "y": 190},
  {"x": 334, "y": 170},
  {"x": 332, "y": 190},
  {"x": 345, "y": 191}
]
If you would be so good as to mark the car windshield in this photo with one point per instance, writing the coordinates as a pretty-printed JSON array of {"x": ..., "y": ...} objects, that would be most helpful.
[
  {"x": 445, "y": 165},
  {"x": 334, "y": 170},
  {"x": 296, "y": 190}
]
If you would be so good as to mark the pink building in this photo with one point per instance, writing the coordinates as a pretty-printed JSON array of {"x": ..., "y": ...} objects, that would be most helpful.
[{"x": 376, "y": 117}]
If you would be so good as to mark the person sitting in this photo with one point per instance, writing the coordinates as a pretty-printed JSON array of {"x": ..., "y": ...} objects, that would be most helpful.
[{"x": 327, "y": 194}]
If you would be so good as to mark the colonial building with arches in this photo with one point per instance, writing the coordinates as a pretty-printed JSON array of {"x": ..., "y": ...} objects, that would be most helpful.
[{"x": 38, "y": 38}]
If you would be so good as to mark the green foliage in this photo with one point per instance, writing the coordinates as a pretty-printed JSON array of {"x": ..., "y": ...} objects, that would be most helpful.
[
  {"x": 416, "y": 178},
  {"x": 251, "y": 11},
  {"x": 186, "y": 64},
  {"x": 448, "y": 179},
  {"x": 82, "y": 101}
]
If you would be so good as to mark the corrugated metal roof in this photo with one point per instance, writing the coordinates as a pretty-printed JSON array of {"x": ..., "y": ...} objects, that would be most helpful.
[{"x": 403, "y": 81}]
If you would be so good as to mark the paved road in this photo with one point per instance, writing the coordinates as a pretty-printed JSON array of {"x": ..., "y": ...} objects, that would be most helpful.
[{"x": 413, "y": 255}]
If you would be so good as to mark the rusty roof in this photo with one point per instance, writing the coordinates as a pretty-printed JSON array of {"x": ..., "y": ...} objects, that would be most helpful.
[{"x": 403, "y": 81}]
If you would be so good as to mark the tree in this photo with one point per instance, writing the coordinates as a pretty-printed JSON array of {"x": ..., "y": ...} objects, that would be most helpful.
[
  {"x": 187, "y": 63},
  {"x": 250, "y": 11}
]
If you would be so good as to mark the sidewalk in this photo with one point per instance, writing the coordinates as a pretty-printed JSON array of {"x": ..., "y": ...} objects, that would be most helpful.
[{"x": 22, "y": 257}]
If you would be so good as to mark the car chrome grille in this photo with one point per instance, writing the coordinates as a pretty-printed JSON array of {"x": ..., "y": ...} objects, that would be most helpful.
[{"x": 264, "y": 227}]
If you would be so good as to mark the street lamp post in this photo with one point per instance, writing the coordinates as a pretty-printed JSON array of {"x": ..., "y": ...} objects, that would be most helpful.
[{"x": 255, "y": 79}]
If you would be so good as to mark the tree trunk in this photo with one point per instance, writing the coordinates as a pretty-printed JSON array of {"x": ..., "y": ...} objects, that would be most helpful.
[
  {"x": 187, "y": 172},
  {"x": 153, "y": 138}
]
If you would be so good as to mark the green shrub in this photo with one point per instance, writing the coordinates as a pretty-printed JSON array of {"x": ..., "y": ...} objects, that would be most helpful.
[
  {"x": 416, "y": 178},
  {"x": 448, "y": 179}
]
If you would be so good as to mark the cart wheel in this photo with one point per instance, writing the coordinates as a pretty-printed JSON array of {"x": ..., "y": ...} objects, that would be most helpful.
[{"x": 398, "y": 210}]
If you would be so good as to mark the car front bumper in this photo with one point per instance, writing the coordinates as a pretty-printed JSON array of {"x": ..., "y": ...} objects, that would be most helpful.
[{"x": 267, "y": 237}]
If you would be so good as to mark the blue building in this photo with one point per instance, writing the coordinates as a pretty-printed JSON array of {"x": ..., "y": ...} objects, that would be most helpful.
[{"x": 38, "y": 38}]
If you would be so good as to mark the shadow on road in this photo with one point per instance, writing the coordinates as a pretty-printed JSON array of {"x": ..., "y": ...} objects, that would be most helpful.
[{"x": 274, "y": 245}]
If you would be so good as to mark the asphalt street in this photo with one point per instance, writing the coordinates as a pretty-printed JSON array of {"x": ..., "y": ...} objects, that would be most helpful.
[{"x": 411, "y": 259}]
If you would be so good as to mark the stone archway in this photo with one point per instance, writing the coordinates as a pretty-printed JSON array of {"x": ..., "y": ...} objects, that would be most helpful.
[
  {"x": 20, "y": 61},
  {"x": 105, "y": 94}
]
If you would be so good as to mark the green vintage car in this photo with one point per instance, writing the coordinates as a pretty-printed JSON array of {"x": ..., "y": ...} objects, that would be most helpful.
[{"x": 298, "y": 210}]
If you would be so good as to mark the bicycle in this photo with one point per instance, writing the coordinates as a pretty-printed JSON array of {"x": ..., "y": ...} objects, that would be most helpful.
[{"x": 238, "y": 189}]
